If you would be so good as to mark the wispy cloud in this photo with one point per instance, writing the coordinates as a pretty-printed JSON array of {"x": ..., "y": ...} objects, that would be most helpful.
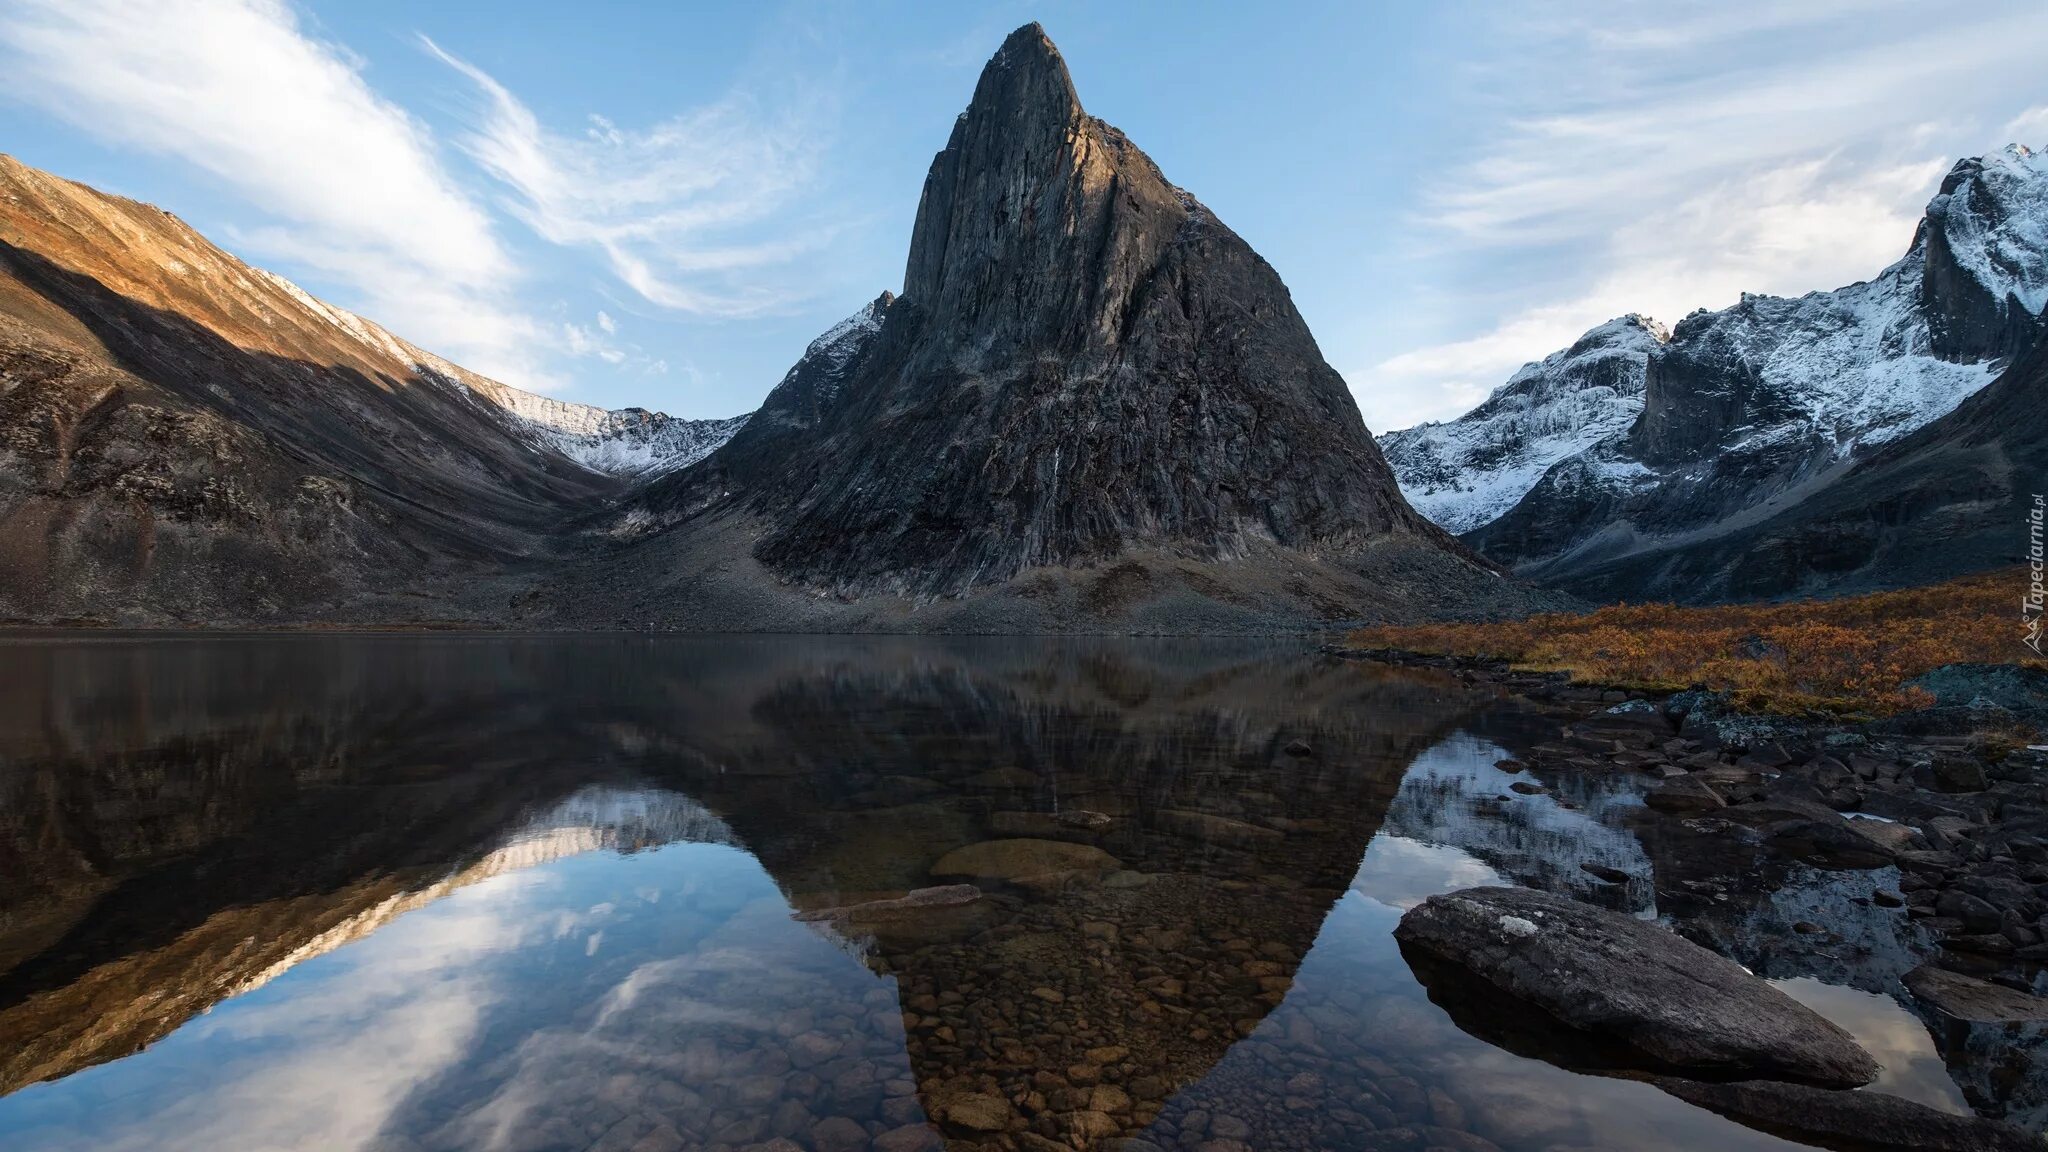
[
  {"x": 1661, "y": 158},
  {"x": 675, "y": 209},
  {"x": 352, "y": 182}
]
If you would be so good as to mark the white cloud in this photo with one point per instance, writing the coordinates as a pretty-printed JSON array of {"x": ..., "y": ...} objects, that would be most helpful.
[
  {"x": 581, "y": 341},
  {"x": 239, "y": 89},
  {"x": 2029, "y": 128},
  {"x": 1785, "y": 231},
  {"x": 605, "y": 322},
  {"x": 670, "y": 208},
  {"x": 1662, "y": 165}
]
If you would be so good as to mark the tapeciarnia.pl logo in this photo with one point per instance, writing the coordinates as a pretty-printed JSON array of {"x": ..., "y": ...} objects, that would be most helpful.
[{"x": 2037, "y": 596}]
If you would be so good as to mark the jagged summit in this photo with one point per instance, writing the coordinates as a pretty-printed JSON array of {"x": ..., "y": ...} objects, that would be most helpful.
[
  {"x": 811, "y": 387},
  {"x": 1085, "y": 367},
  {"x": 1006, "y": 168}
]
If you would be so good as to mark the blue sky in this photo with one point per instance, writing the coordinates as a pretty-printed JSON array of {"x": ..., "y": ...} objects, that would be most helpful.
[{"x": 661, "y": 204}]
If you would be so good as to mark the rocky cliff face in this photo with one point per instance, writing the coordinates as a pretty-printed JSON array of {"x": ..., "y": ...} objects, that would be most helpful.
[
  {"x": 1746, "y": 412},
  {"x": 1084, "y": 363},
  {"x": 187, "y": 439},
  {"x": 1985, "y": 236}
]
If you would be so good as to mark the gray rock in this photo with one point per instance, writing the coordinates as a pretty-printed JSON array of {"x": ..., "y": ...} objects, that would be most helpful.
[
  {"x": 1965, "y": 998},
  {"x": 1849, "y": 1121},
  {"x": 1660, "y": 1001},
  {"x": 1683, "y": 794},
  {"x": 2014, "y": 687}
]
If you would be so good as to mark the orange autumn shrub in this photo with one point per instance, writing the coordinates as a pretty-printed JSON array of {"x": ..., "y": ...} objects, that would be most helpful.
[{"x": 1851, "y": 655}]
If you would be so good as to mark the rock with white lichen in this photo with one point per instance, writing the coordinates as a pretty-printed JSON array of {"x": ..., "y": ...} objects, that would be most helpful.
[{"x": 1629, "y": 993}]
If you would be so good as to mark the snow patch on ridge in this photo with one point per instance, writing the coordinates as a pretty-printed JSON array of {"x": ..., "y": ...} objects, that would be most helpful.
[{"x": 841, "y": 343}]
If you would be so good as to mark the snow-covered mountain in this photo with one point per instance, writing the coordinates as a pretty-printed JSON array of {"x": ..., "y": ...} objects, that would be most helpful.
[
  {"x": 616, "y": 441},
  {"x": 1468, "y": 471},
  {"x": 1626, "y": 443}
]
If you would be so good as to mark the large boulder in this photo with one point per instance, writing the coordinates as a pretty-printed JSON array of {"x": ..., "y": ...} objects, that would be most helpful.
[
  {"x": 1639, "y": 995},
  {"x": 1849, "y": 1121}
]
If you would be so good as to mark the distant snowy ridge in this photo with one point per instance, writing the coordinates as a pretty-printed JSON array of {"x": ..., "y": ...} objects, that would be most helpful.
[
  {"x": 620, "y": 442},
  {"x": 1468, "y": 471},
  {"x": 1628, "y": 409}
]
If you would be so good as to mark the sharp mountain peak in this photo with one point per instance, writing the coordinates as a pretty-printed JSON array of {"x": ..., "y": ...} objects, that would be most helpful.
[{"x": 1093, "y": 406}]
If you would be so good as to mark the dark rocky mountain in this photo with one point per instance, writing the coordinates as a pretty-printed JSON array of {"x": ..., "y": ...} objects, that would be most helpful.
[
  {"x": 1092, "y": 401},
  {"x": 1093, "y": 407},
  {"x": 189, "y": 440},
  {"x": 1755, "y": 410}
]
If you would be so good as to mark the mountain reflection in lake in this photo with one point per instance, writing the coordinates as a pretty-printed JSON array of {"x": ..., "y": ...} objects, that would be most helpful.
[{"x": 642, "y": 894}]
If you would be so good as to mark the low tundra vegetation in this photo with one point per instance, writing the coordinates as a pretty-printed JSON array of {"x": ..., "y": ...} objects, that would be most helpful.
[{"x": 1847, "y": 656}]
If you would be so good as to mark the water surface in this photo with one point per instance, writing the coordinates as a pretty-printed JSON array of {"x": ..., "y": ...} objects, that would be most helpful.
[{"x": 459, "y": 892}]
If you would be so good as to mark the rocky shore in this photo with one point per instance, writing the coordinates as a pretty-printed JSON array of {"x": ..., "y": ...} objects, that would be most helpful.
[{"x": 1944, "y": 810}]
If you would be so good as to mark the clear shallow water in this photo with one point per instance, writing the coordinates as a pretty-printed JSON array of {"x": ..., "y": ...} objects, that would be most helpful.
[{"x": 460, "y": 892}]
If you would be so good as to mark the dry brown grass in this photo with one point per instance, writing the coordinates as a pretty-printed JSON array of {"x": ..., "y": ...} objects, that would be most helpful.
[{"x": 1847, "y": 656}]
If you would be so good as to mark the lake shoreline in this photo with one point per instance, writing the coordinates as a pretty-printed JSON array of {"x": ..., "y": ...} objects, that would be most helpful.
[{"x": 1946, "y": 803}]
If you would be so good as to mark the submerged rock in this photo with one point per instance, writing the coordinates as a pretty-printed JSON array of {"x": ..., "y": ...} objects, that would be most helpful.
[
  {"x": 976, "y": 1112},
  {"x": 1212, "y": 829},
  {"x": 920, "y": 910},
  {"x": 1647, "y": 998},
  {"x": 1027, "y": 862},
  {"x": 1849, "y": 1121},
  {"x": 1044, "y": 825}
]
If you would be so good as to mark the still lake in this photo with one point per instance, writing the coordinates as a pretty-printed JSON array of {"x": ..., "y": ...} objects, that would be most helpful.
[{"x": 499, "y": 892}]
